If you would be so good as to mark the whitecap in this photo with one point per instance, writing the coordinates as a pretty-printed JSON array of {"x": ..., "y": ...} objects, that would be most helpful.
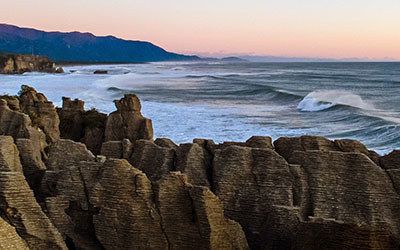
[{"x": 325, "y": 99}]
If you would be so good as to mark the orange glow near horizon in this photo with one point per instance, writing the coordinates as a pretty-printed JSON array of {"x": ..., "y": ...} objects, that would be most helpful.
[{"x": 313, "y": 28}]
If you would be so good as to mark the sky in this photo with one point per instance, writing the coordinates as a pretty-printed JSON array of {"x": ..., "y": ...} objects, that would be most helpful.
[{"x": 294, "y": 28}]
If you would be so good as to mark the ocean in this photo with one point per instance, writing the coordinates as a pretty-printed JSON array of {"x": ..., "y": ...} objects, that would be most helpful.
[{"x": 234, "y": 101}]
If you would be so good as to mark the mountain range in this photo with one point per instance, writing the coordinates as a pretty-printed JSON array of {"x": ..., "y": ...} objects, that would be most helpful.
[{"x": 80, "y": 47}]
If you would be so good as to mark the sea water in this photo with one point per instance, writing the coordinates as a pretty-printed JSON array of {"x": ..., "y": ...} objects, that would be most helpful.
[{"x": 233, "y": 101}]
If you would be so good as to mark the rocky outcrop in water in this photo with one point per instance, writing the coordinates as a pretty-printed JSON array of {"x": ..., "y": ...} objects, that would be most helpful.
[
  {"x": 18, "y": 64},
  {"x": 107, "y": 185}
]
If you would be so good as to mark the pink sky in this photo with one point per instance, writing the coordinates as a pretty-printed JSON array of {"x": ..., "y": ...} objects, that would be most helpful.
[{"x": 310, "y": 28}]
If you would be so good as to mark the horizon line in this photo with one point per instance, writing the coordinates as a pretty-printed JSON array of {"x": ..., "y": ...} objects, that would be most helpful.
[{"x": 225, "y": 54}]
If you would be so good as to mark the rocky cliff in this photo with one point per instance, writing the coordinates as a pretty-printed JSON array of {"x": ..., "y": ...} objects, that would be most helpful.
[
  {"x": 77, "y": 179},
  {"x": 18, "y": 64}
]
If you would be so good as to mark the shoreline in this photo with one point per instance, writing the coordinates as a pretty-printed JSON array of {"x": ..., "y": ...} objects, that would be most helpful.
[{"x": 83, "y": 179}]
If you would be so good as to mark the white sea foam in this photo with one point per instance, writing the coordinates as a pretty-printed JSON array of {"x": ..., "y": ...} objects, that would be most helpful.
[
  {"x": 325, "y": 99},
  {"x": 230, "y": 102}
]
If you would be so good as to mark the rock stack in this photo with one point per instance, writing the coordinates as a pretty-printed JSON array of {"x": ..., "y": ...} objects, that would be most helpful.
[{"x": 77, "y": 179}]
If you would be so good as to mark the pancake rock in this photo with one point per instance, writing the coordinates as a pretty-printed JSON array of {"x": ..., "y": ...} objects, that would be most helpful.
[
  {"x": 42, "y": 112},
  {"x": 111, "y": 205},
  {"x": 128, "y": 121},
  {"x": 93, "y": 128},
  {"x": 18, "y": 206},
  {"x": 153, "y": 160},
  {"x": 201, "y": 223}
]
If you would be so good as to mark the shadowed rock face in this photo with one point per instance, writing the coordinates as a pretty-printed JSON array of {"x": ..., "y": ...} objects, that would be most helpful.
[
  {"x": 80, "y": 125},
  {"x": 391, "y": 161},
  {"x": 94, "y": 128},
  {"x": 262, "y": 185},
  {"x": 201, "y": 223},
  {"x": 195, "y": 162},
  {"x": 128, "y": 122},
  {"x": 18, "y": 207},
  {"x": 153, "y": 160},
  {"x": 42, "y": 112},
  {"x": 296, "y": 193}
]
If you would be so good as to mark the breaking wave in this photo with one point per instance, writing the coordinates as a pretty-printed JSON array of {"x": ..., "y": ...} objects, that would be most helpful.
[{"x": 326, "y": 99}]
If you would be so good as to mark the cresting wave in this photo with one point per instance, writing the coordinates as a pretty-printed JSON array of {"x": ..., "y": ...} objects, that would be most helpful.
[
  {"x": 325, "y": 99},
  {"x": 329, "y": 99}
]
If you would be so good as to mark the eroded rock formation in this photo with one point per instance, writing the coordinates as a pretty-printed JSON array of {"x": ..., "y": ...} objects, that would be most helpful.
[
  {"x": 107, "y": 185},
  {"x": 128, "y": 121},
  {"x": 18, "y": 207},
  {"x": 42, "y": 112},
  {"x": 18, "y": 64},
  {"x": 80, "y": 125}
]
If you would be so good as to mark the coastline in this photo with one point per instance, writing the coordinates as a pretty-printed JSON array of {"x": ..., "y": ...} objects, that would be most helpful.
[{"x": 236, "y": 101}]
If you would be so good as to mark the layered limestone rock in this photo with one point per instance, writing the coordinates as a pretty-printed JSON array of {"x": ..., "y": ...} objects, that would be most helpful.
[
  {"x": 128, "y": 122},
  {"x": 94, "y": 124},
  {"x": 217, "y": 231},
  {"x": 18, "y": 125},
  {"x": 166, "y": 143},
  {"x": 80, "y": 125},
  {"x": 121, "y": 212},
  {"x": 153, "y": 160},
  {"x": 253, "y": 142},
  {"x": 12, "y": 102},
  {"x": 346, "y": 145},
  {"x": 18, "y": 64},
  {"x": 127, "y": 217},
  {"x": 117, "y": 149},
  {"x": 9, "y": 155},
  {"x": 285, "y": 146},
  {"x": 64, "y": 152},
  {"x": 93, "y": 128},
  {"x": 71, "y": 119},
  {"x": 253, "y": 183},
  {"x": 329, "y": 234},
  {"x": 201, "y": 223},
  {"x": 351, "y": 189},
  {"x": 391, "y": 161},
  {"x": 42, "y": 112},
  {"x": 18, "y": 206},
  {"x": 31, "y": 141},
  {"x": 260, "y": 142},
  {"x": 65, "y": 188},
  {"x": 195, "y": 162},
  {"x": 31, "y": 160},
  {"x": 67, "y": 203},
  {"x": 9, "y": 239}
]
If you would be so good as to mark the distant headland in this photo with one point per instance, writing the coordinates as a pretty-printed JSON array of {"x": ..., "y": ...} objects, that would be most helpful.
[{"x": 76, "y": 47}]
